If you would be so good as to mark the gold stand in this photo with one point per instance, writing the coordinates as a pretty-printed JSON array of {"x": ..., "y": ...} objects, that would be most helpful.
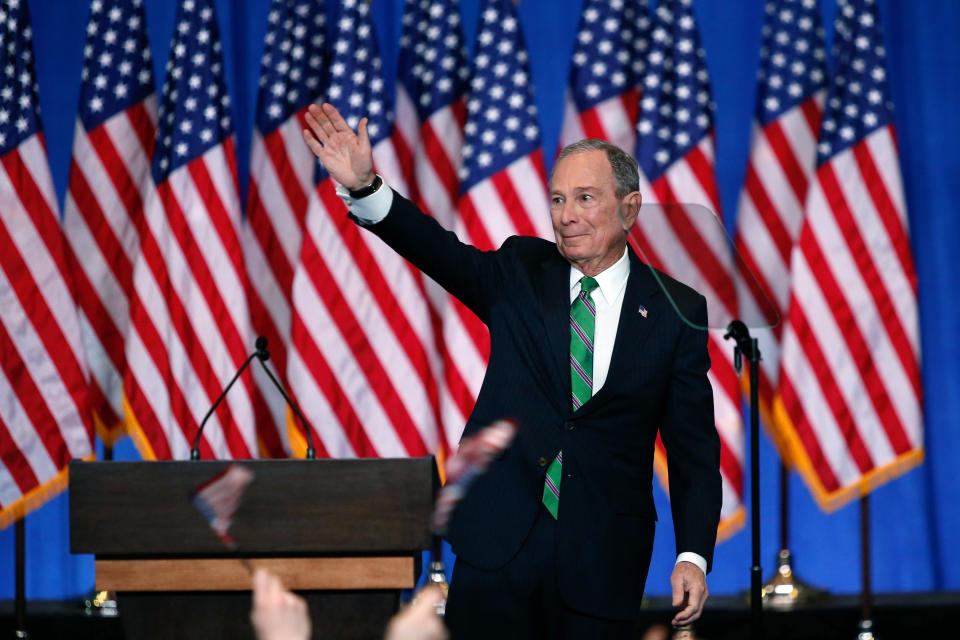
[
  {"x": 101, "y": 604},
  {"x": 784, "y": 590}
]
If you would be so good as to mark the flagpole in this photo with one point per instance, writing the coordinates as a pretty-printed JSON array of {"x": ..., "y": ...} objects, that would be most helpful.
[
  {"x": 865, "y": 631},
  {"x": 20, "y": 561}
]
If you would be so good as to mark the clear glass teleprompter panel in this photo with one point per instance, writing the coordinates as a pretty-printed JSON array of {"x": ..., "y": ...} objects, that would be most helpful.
[{"x": 689, "y": 243}]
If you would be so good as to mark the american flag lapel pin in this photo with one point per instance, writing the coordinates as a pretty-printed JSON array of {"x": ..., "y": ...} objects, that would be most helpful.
[{"x": 642, "y": 311}]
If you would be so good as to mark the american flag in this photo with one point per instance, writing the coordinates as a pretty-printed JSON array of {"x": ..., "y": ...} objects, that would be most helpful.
[
  {"x": 292, "y": 75},
  {"x": 190, "y": 323},
  {"x": 850, "y": 371},
  {"x": 502, "y": 179},
  {"x": 109, "y": 174},
  {"x": 792, "y": 87},
  {"x": 431, "y": 112},
  {"x": 609, "y": 59},
  {"x": 44, "y": 415},
  {"x": 362, "y": 337},
  {"x": 675, "y": 151},
  {"x": 219, "y": 498}
]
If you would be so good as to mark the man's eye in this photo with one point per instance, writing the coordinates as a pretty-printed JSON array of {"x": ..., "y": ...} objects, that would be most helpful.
[{"x": 586, "y": 196}]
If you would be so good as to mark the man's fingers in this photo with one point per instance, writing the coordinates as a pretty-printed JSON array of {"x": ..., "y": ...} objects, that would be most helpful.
[
  {"x": 313, "y": 143},
  {"x": 362, "y": 131},
  {"x": 318, "y": 123},
  {"x": 678, "y": 591},
  {"x": 696, "y": 596},
  {"x": 333, "y": 116}
]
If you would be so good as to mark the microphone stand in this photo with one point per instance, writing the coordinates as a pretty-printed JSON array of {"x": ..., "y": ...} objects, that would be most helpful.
[
  {"x": 261, "y": 354},
  {"x": 745, "y": 345}
]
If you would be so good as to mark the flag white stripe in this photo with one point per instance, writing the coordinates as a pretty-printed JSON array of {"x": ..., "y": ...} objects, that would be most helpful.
[
  {"x": 317, "y": 410},
  {"x": 857, "y": 295},
  {"x": 376, "y": 328},
  {"x": 842, "y": 365},
  {"x": 534, "y": 199},
  {"x": 51, "y": 386},
  {"x": 879, "y": 244},
  {"x": 822, "y": 421},
  {"x": 351, "y": 379},
  {"x": 276, "y": 205},
  {"x": 616, "y": 122}
]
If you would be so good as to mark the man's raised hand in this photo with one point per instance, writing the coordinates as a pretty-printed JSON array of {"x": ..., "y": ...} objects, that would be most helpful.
[{"x": 346, "y": 155}]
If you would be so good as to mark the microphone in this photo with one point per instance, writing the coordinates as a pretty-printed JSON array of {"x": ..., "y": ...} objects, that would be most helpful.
[
  {"x": 263, "y": 355},
  {"x": 195, "y": 452}
]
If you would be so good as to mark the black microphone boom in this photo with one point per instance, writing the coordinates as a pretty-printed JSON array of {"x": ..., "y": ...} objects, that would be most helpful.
[
  {"x": 263, "y": 355},
  {"x": 195, "y": 452}
]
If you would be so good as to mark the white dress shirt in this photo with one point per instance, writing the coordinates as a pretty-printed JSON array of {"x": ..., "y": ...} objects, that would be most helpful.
[{"x": 607, "y": 297}]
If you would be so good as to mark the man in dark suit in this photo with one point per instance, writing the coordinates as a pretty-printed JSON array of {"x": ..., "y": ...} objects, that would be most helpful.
[{"x": 590, "y": 359}]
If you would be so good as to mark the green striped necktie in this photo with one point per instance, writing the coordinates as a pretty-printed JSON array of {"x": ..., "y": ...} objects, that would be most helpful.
[{"x": 583, "y": 316}]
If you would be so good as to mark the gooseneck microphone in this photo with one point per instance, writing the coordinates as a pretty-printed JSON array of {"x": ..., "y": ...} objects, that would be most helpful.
[
  {"x": 263, "y": 355},
  {"x": 195, "y": 452}
]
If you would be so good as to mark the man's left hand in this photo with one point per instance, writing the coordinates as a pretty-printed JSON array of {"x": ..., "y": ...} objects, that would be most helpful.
[{"x": 689, "y": 591}]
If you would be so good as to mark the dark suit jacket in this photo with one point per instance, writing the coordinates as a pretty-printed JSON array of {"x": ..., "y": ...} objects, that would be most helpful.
[{"x": 657, "y": 380}]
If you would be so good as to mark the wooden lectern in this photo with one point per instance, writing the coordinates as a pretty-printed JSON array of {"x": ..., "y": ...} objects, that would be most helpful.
[{"x": 345, "y": 534}]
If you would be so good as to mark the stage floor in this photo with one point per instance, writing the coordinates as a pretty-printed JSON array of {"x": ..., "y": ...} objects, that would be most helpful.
[{"x": 898, "y": 616}]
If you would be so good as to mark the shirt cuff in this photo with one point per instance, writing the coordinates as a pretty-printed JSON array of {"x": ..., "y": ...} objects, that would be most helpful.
[
  {"x": 693, "y": 558},
  {"x": 369, "y": 210}
]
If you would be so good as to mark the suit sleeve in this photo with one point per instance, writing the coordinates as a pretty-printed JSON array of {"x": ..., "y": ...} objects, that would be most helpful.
[
  {"x": 690, "y": 437},
  {"x": 467, "y": 273}
]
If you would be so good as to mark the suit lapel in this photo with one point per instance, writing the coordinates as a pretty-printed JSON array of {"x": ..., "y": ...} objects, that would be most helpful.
[{"x": 554, "y": 299}]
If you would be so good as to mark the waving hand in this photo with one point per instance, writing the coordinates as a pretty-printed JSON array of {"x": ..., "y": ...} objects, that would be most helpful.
[{"x": 346, "y": 155}]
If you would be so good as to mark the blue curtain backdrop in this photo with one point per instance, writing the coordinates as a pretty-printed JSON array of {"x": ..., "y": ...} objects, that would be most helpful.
[{"x": 915, "y": 519}]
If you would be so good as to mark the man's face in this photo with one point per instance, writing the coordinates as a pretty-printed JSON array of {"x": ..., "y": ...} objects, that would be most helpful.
[{"x": 583, "y": 207}]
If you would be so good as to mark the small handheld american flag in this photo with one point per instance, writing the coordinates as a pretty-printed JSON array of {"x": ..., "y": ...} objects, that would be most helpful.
[
  {"x": 218, "y": 499},
  {"x": 470, "y": 461}
]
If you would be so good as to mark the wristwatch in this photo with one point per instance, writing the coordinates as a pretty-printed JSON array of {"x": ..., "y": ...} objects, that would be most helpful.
[{"x": 368, "y": 190}]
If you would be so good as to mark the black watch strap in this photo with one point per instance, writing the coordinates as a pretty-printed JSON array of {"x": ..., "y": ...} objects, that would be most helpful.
[{"x": 370, "y": 189}]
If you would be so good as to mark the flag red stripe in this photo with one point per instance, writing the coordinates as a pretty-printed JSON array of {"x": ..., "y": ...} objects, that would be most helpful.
[
  {"x": 512, "y": 204},
  {"x": 180, "y": 320},
  {"x": 476, "y": 232},
  {"x": 830, "y": 390},
  {"x": 812, "y": 113},
  {"x": 591, "y": 124},
  {"x": 768, "y": 214},
  {"x": 886, "y": 310},
  {"x": 441, "y": 162},
  {"x": 859, "y": 351},
  {"x": 887, "y": 210},
  {"x": 405, "y": 160},
  {"x": 143, "y": 126},
  {"x": 809, "y": 440},
  {"x": 14, "y": 461},
  {"x": 792, "y": 169},
  {"x": 326, "y": 379},
  {"x": 96, "y": 222},
  {"x": 123, "y": 183},
  {"x": 392, "y": 311},
  {"x": 18, "y": 373},
  {"x": 286, "y": 176},
  {"x": 267, "y": 238},
  {"x": 703, "y": 171},
  {"x": 34, "y": 305},
  {"x": 689, "y": 236}
]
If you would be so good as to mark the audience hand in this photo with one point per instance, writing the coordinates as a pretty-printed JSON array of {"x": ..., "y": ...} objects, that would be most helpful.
[
  {"x": 277, "y": 613},
  {"x": 419, "y": 621}
]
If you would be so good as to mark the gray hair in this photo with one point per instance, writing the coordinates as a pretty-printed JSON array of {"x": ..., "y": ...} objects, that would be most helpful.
[{"x": 625, "y": 172}]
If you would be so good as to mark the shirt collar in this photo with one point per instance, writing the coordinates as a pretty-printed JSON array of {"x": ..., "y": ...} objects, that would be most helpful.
[{"x": 610, "y": 282}]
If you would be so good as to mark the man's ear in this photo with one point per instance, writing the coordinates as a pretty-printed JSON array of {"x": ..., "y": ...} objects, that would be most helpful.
[{"x": 629, "y": 208}]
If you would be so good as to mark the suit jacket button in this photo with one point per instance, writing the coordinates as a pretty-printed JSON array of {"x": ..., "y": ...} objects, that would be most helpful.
[
  {"x": 568, "y": 425},
  {"x": 542, "y": 462}
]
